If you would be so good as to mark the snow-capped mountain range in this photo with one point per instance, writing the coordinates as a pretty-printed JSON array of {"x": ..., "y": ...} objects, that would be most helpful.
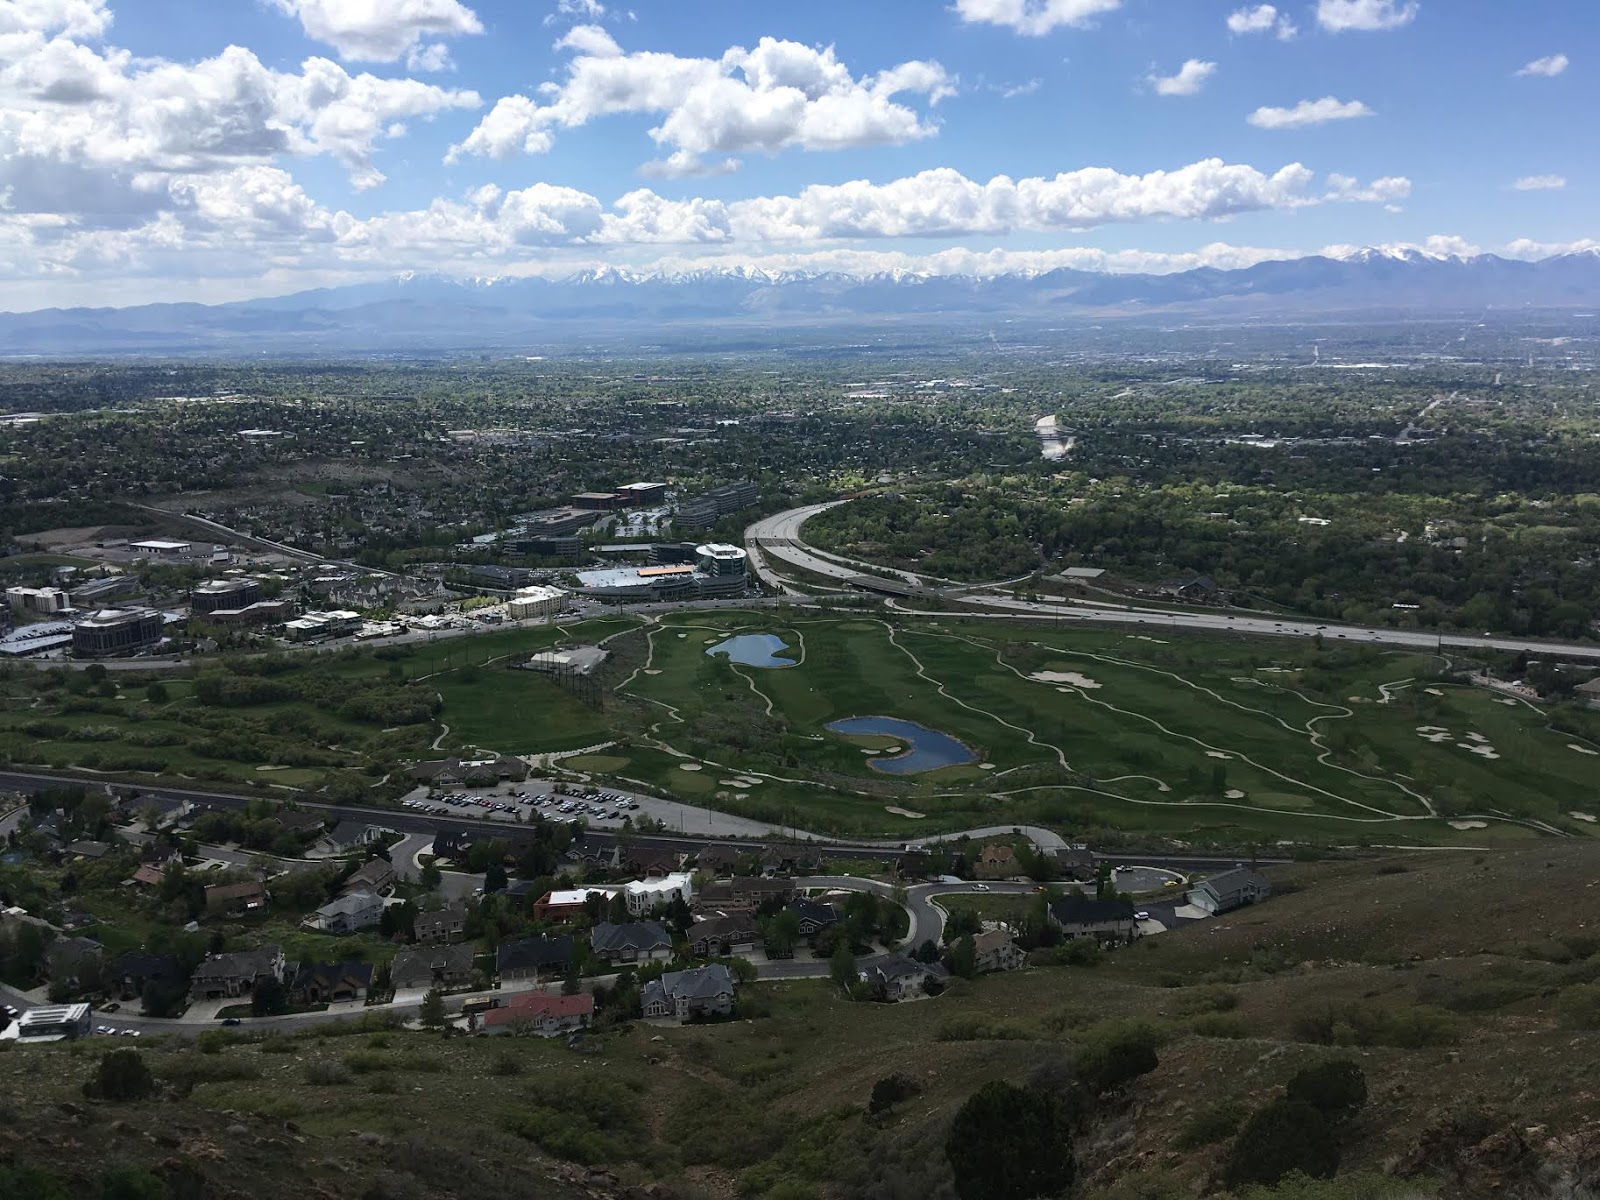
[{"x": 423, "y": 313}]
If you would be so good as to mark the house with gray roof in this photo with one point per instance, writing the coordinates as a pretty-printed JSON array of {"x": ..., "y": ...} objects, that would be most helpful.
[
  {"x": 228, "y": 976},
  {"x": 349, "y": 913},
  {"x": 686, "y": 995},
  {"x": 896, "y": 977},
  {"x": 1107, "y": 921},
  {"x": 432, "y": 966},
  {"x": 1229, "y": 890},
  {"x": 635, "y": 941}
]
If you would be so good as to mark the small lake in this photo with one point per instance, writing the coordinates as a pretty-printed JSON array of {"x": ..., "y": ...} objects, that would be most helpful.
[
  {"x": 764, "y": 650},
  {"x": 926, "y": 749}
]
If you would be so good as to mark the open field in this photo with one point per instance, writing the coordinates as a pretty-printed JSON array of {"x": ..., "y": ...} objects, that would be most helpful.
[{"x": 1204, "y": 738}]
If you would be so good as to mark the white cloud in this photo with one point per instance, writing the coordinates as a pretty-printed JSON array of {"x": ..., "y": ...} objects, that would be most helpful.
[
  {"x": 1034, "y": 18},
  {"x": 776, "y": 96},
  {"x": 1339, "y": 16},
  {"x": 577, "y": 10},
  {"x": 1540, "y": 183},
  {"x": 1380, "y": 191},
  {"x": 1528, "y": 248},
  {"x": 1548, "y": 67},
  {"x": 1262, "y": 18},
  {"x": 1309, "y": 112},
  {"x": 1191, "y": 77},
  {"x": 380, "y": 30},
  {"x": 1014, "y": 90}
]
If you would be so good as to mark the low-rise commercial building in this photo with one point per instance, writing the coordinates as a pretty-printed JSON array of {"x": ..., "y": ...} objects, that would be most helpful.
[
  {"x": 158, "y": 548},
  {"x": 313, "y": 626},
  {"x": 56, "y": 1023},
  {"x": 116, "y": 631},
  {"x": 707, "y": 509},
  {"x": 639, "y": 494},
  {"x": 530, "y": 602},
  {"x": 599, "y": 501}
]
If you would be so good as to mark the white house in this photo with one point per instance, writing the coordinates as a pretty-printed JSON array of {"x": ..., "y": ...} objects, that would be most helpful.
[{"x": 644, "y": 894}]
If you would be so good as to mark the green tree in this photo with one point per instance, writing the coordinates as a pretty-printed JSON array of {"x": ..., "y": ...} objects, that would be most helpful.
[
  {"x": 494, "y": 879},
  {"x": 156, "y": 693},
  {"x": 1282, "y": 1137},
  {"x": 432, "y": 877},
  {"x": 964, "y": 957},
  {"x": 269, "y": 998},
  {"x": 130, "y": 1183},
  {"x": 842, "y": 968},
  {"x": 121, "y": 1075},
  {"x": 432, "y": 1012},
  {"x": 1010, "y": 1143},
  {"x": 1118, "y": 1059}
]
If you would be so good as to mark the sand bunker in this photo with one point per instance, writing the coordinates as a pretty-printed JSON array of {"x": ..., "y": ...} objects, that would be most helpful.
[
  {"x": 1433, "y": 691},
  {"x": 651, "y": 671},
  {"x": 985, "y": 766},
  {"x": 690, "y": 767},
  {"x": 1434, "y": 733},
  {"x": 1469, "y": 824},
  {"x": 683, "y": 635},
  {"x": 1578, "y": 816},
  {"x": 1233, "y": 794},
  {"x": 1072, "y": 677},
  {"x": 1218, "y": 754},
  {"x": 1570, "y": 746},
  {"x": 903, "y": 812},
  {"x": 1507, "y": 700},
  {"x": 1480, "y": 751}
]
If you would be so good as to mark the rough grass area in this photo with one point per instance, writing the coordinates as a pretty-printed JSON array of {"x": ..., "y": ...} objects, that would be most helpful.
[{"x": 1454, "y": 983}]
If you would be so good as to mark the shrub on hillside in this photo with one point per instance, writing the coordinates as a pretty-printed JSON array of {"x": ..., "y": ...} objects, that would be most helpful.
[
  {"x": 1117, "y": 1058},
  {"x": 1579, "y": 1007},
  {"x": 121, "y": 1075},
  {"x": 1336, "y": 1089},
  {"x": 891, "y": 1090},
  {"x": 1211, "y": 1125},
  {"x": 1280, "y": 1138},
  {"x": 1009, "y": 1143}
]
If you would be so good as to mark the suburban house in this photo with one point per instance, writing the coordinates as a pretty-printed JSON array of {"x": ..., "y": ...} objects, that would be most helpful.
[
  {"x": 350, "y": 913},
  {"x": 637, "y": 941},
  {"x": 1200, "y": 589},
  {"x": 134, "y": 969},
  {"x": 1590, "y": 692},
  {"x": 895, "y": 977},
  {"x": 1229, "y": 890},
  {"x": 331, "y": 983},
  {"x": 451, "y": 845},
  {"x": 236, "y": 899},
  {"x": 73, "y": 960},
  {"x": 716, "y": 860},
  {"x": 720, "y": 936},
  {"x": 644, "y": 894},
  {"x": 300, "y": 823},
  {"x": 534, "y": 957},
  {"x": 996, "y": 862},
  {"x": 743, "y": 894},
  {"x": 652, "y": 862},
  {"x": 814, "y": 916},
  {"x": 1076, "y": 863},
  {"x": 540, "y": 1016},
  {"x": 149, "y": 875},
  {"x": 686, "y": 995},
  {"x": 432, "y": 966},
  {"x": 567, "y": 904},
  {"x": 347, "y": 836},
  {"x": 1107, "y": 921},
  {"x": 157, "y": 812},
  {"x": 997, "y": 952},
  {"x": 446, "y": 925},
  {"x": 88, "y": 849},
  {"x": 228, "y": 976},
  {"x": 376, "y": 876}
]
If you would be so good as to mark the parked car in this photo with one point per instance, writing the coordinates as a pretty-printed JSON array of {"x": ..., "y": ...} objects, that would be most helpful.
[{"x": 230, "y": 1020}]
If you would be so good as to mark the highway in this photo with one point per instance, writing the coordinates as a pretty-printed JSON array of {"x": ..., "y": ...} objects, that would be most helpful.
[{"x": 780, "y": 537}]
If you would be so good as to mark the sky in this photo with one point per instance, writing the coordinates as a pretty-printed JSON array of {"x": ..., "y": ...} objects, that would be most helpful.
[{"x": 212, "y": 150}]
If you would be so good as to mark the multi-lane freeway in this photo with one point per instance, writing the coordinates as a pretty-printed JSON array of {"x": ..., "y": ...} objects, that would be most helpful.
[{"x": 779, "y": 537}]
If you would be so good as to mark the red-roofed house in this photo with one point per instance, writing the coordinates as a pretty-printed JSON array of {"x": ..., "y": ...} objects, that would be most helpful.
[
  {"x": 543, "y": 1016},
  {"x": 149, "y": 875}
]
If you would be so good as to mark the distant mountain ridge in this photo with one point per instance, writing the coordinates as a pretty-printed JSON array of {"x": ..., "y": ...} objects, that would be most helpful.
[{"x": 432, "y": 314}]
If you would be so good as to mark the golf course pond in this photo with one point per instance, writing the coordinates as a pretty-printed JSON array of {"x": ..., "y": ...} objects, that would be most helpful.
[
  {"x": 925, "y": 749},
  {"x": 764, "y": 650}
]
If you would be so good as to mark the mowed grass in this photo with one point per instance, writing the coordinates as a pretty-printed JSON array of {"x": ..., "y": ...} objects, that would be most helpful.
[{"x": 1217, "y": 737}]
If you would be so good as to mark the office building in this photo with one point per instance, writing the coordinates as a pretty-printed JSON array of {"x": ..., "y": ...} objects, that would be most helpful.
[
  {"x": 549, "y": 547},
  {"x": 640, "y": 494},
  {"x": 96, "y": 592},
  {"x": 721, "y": 570},
  {"x": 503, "y": 578},
  {"x": 116, "y": 631},
  {"x": 230, "y": 594},
  {"x": 56, "y": 1023},
  {"x": 535, "y": 602},
  {"x": 553, "y": 522},
  {"x": 707, "y": 509},
  {"x": 44, "y": 601},
  {"x": 600, "y": 501}
]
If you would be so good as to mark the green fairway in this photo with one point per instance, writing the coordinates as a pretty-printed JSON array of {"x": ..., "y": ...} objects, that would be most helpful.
[{"x": 1212, "y": 738}]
